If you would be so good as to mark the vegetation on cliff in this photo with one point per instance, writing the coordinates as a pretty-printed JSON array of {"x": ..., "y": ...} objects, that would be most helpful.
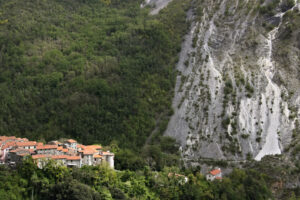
[
  {"x": 95, "y": 71},
  {"x": 59, "y": 182}
]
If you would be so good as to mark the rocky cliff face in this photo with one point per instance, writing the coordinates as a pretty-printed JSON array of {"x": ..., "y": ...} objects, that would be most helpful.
[
  {"x": 238, "y": 86},
  {"x": 156, "y": 4}
]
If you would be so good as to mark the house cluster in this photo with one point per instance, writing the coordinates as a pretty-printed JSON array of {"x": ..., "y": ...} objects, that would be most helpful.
[
  {"x": 215, "y": 174},
  {"x": 69, "y": 153}
]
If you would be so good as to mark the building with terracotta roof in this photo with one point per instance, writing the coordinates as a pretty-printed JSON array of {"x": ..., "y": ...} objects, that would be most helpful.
[
  {"x": 17, "y": 155},
  {"x": 214, "y": 174},
  {"x": 47, "y": 149},
  {"x": 80, "y": 147},
  {"x": 71, "y": 143},
  {"x": 69, "y": 153},
  {"x": 96, "y": 147},
  {"x": 27, "y": 145},
  {"x": 74, "y": 161},
  {"x": 6, "y": 138},
  {"x": 87, "y": 156},
  {"x": 8, "y": 143},
  {"x": 97, "y": 159},
  {"x": 108, "y": 157}
]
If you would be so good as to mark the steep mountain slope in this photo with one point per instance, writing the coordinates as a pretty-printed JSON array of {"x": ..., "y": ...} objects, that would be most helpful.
[
  {"x": 156, "y": 4},
  {"x": 96, "y": 71},
  {"x": 237, "y": 94}
]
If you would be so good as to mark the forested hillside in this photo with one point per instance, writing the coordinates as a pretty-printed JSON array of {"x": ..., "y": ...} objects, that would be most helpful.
[
  {"x": 96, "y": 71},
  {"x": 103, "y": 72},
  {"x": 95, "y": 183}
]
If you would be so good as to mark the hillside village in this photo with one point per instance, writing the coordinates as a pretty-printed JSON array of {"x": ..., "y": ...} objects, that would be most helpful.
[{"x": 69, "y": 153}]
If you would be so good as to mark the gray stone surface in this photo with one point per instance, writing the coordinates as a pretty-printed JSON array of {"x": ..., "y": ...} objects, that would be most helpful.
[
  {"x": 233, "y": 53},
  {"x": 156, "y": 4}
]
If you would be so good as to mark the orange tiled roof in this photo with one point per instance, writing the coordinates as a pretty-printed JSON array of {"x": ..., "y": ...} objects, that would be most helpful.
[
  {"x": 89, "y": 152},
  {"x": 8, "y": 144},
  {"x": 92, "y": 147},
  {"x": 71, "y": 141},
  {"x": 24, "y": 144},
  {"x": 73, "y": 158},
  {"x": 46, "y": 147},
  {"x": 4, "y": 138},
  {"x": 31, "y": 150},
  {"x": 97, "y": 156},
  {"x": 80, "y": 146},
  {"x": 65, "y": 150},
  {"x": 215, "y": 172},
  {"x": 60, "y": 148}
]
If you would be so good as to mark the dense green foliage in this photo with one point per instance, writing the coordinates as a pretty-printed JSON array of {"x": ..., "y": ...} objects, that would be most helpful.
[
  {"x": 269, "y": 7},
  {"x": 280, "y": 173},
  {"x": 57, "y": 182},
  {"x": 99, "y": 71},
  {"x": 92, "y": 70},
  {"x": 161, "y": 153}
]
